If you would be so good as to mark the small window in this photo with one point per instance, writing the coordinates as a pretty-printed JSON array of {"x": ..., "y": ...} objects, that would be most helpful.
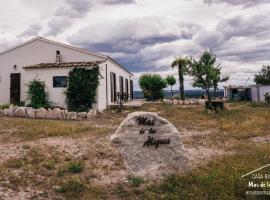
[{"x": 59, "y": 81}]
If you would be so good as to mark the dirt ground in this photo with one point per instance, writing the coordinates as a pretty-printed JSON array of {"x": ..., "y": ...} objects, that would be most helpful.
[{"x": 30, "y": 163}]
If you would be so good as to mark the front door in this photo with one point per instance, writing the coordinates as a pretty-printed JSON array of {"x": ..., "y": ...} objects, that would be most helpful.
[{"x": 15, "y": 88}]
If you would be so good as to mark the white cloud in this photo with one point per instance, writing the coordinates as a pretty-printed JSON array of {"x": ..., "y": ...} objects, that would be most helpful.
[{"x": 146, "y": 35}]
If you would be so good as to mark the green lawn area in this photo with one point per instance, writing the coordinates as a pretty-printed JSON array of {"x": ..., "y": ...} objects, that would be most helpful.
[{"x": 48, "y": 163}]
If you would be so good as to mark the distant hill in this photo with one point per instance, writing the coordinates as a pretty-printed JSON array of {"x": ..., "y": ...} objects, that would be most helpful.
[{"x": 188, "y": 93}]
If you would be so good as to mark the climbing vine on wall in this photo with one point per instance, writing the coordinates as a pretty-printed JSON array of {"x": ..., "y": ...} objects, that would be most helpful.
[
  {"x": 81, "y": 90},
  {"x": 37, "y": 95}
]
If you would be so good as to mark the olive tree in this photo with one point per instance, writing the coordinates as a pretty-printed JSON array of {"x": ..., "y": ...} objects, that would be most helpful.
[
  {"x": 152, "y": 86},
  {"x": 205, "y": 73}
]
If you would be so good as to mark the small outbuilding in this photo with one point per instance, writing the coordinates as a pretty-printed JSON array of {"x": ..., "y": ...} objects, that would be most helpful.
[
  {"x": 254, "y": 93},
  {"x": 237, "y": 93},
  {"x": 258, "y": 92}
]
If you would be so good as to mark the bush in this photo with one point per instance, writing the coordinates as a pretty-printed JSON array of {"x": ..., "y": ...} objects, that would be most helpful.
[
  {"x": 267, "y": 98},
  {"x": 152, "y": 86},
  {"x": 75, "y": 167},
  {"x": 71, "y": 188},
  {"x": 37, "y": 95},
  {"x": 3, "y": 106},
  {"x": 81, "y": 90},
  {"x": 136, "y": 181}
]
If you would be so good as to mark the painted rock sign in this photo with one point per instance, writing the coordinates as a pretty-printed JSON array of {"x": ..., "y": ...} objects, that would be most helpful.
[{"x": 151, "y": 146}]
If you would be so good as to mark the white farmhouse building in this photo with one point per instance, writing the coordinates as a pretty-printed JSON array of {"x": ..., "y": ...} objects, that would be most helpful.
[{"x": 51, "y": 62}]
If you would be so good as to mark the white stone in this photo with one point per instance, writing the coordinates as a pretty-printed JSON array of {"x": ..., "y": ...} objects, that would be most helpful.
[
  {"x": 41, "y": 113},
  {"x": 30, "y": 112},
  {"x": 175, "y": 102},
  {"x": 6, "y": 112},
  {"x": 20, "y": 112},
  {"x": 54, "y": 113},
  {"x": 72, "y": 115},
  {"x": 149, "y": 159},
  {"x": 94, "y": 112},
  {"x": 82, "y": 115}
]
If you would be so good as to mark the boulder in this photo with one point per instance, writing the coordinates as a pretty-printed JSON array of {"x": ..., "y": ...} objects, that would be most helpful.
[
  {"x": 89, "y": 116},
  {"x": 11, "y": 111},
  {"x": 82, "y": 115},
  {"x": 64, "y": 114},
  {"x": 150, "y": 145},
  {"x": 20, "y": 112},
  {"x": 72, "y": 115},
  {"x": 6, "y": 112},
  {"x": 30, "y": 112},
  {"x": 41, "y": 113},
  {"x": 54, "y": 113},
  {"x": 1, "y": 112},
  {"x": 175, "y": 102}
]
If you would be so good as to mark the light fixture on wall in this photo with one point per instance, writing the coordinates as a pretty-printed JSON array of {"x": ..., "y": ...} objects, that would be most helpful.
[
  {"x": 15, "y": 67},
  {"x": 58, "y": 57}
]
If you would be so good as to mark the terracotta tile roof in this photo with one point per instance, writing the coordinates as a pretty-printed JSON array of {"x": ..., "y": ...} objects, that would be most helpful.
[{"x": 63, "y": 65}]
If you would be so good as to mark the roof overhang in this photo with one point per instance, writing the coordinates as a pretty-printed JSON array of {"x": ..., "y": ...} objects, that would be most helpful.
[{"x": 63, "y": 65}]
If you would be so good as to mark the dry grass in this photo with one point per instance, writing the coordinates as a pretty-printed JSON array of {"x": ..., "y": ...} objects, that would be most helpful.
[{"x": 74, "y": 160}]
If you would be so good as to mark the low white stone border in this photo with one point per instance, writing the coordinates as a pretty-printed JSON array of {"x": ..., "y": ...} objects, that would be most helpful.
[
  {"x": 42, "y": 113},
  {"x": 186, "y": 102}
]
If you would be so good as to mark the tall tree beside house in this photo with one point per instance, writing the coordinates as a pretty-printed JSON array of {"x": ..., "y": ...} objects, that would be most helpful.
[
  {"x": 205, "y": 73},
  {"x": 152, "y": 86},
  {"x": 171, "y": 81},
  {"x": 263, "y": 77},
  {"x": 82, "y": 87},
  {"x": 181, "y": 64}
]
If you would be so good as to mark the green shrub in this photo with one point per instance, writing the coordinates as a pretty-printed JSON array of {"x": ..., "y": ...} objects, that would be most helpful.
[
  {"x": 152, "y": 86},
  {"x": 81, "y": 90},
  {"x": 267, "y": 98},
  {"x": 37, "y": 95},
  {"x": 135, "y": 181},
  {"x": 71, "y": 188},
  {"x": 3, "y": 106},
  {"x": 75, "y": 167},
  {"x": 48, "y": 164}
]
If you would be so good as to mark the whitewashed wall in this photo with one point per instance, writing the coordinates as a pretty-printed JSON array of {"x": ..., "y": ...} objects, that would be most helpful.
[
  {"x": 254, "y": 94},
  {"x": 33, "y": 53},
  {"x": 119, "y": 72},
  {"x": 263, "y": 91},
  {"x": 259, "y": 91}
]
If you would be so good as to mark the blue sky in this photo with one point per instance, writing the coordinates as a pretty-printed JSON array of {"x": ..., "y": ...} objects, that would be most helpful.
[{"x": 146, "y": 35}]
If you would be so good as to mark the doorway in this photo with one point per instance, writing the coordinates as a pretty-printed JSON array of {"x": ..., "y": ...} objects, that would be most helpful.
[{"x": 15, "y": 88}]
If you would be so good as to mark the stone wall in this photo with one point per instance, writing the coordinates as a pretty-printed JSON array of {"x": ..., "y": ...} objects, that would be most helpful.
[
  {"x": 42, "y": 113},
  {"x": 186, "y": 102}
]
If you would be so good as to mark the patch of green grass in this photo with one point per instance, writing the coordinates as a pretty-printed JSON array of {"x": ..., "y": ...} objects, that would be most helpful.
[
  {"x": 49, "y": 164},
  {"x": 135, "y": 181},
  {"x": 218, "y": 180},
  {"x": 75, "y": 167},
  {"x": 71, "y": 188}
]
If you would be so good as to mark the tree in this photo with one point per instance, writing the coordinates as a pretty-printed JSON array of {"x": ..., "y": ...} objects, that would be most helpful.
[
  {"x": 182, "y": 64},
  {"x": 171, "y": 81},
  {"x": 263, "y": 77},
  {"x": 37, "y": 95},
  {"x": 219, "y": 79},
  {"x": 152, "y": 86},
  {"x": 205, "y": 73},
  {"x": 81, "y": 90}
]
